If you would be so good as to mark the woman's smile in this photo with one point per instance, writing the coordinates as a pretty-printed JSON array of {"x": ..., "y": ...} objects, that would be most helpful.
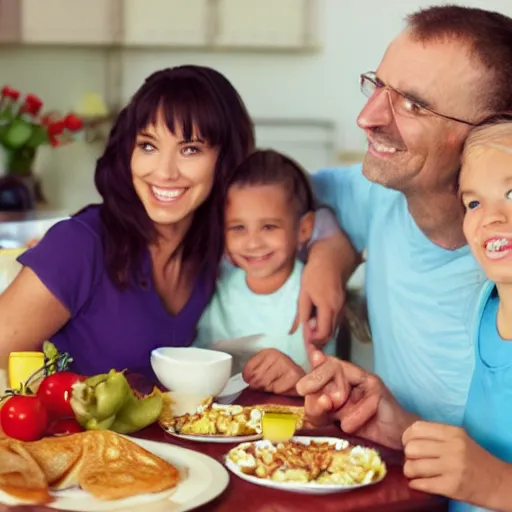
[{"x": 167, "y": 195}]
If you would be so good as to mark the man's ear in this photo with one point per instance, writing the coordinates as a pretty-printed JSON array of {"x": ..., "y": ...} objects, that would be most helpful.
[{"x": 306, "y": 226}]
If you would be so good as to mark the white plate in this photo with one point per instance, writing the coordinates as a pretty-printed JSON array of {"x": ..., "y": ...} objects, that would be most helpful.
[
  {"x": 298, "y": 487},
  {"x": 203, "y": 480},
  {"x": 216, "y": 439}
]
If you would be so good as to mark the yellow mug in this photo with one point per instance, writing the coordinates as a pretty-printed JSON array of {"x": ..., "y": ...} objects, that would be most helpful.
[{"x": 22, "y": 365}]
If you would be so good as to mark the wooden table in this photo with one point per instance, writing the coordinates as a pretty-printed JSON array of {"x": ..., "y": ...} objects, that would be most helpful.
[{"x": 392, "y": 494}]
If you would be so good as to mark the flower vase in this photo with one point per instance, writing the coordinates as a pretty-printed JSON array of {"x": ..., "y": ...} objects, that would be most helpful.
[
  {"x": 22, "y": 161},
  {"x": 5, "y": 160},
  {"x": 17, "y": 184}
]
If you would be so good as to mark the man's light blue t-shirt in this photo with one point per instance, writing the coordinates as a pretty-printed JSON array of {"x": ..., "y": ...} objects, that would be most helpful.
[
  {"x": 417, "y": 294},
  {"x": 237, "y": 311},
  {"x": 488, "y": 417}
]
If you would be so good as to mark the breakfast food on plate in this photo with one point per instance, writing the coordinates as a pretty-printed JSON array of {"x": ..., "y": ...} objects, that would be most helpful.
[
  {"x": 107, "y": 465},
  {"x": 212, "y": 419},
  {"x": 218, "y": 420},
  {"x": 326, "y": 462}
]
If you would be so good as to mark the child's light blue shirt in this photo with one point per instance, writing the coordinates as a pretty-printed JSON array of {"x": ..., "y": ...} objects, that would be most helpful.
[
  {"x": 488, "y": 417},
  {"x": 237, "y": 311}
]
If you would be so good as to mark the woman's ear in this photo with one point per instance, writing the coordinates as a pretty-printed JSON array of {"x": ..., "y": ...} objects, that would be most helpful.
[{"x": 306, "y": 226}]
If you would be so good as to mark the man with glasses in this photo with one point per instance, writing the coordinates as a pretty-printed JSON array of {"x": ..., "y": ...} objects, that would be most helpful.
[{"x": 450, "y": 68}]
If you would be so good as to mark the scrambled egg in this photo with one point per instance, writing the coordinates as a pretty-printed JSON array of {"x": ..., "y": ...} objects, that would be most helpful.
[
  {"x": 218, "y": 420},
  {"x": 318, "y": 462}
]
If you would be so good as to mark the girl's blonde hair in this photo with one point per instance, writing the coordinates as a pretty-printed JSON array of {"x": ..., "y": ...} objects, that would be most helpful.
[{"x": 494, "y": 131}]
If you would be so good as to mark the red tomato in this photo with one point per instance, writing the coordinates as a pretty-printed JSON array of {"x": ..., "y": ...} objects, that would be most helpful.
[
  {"x": 24, "y": 417},
  {"x": 55, "y": 393},
  {"x": 64, "y": 427}
]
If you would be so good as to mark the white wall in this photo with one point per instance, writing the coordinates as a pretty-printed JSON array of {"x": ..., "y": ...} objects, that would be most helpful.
[
  {"x": 325, "y": 85},
  {"x": 355, "y": 34}
]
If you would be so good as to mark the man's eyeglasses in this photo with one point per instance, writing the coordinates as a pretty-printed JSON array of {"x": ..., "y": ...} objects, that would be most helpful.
[{"x": 401, "y": 103}]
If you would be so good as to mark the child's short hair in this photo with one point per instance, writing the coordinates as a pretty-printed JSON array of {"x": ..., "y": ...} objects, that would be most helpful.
[{"x": 269, "y": 167}]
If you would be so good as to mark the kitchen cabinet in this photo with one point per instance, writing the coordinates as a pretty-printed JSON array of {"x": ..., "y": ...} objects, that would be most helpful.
[
  {"x": 10, "y": 21},
  {"x": 88, "y": 22},
  {"x": 166, "y": 22},
  {"x": 279, "y": 24},
  {"x": 207, "y": 24}
]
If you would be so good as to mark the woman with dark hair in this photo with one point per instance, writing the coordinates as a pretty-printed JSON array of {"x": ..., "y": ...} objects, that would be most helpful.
[{"x": 134, "y": 273}]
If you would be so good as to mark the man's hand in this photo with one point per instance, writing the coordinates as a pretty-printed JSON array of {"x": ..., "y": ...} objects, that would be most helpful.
[
  {"x": 444, "y": 460},
  {"x": 359, "y": 400},
  {"x": 272, "y": 371},
  {"x": 322, "y": 289}
]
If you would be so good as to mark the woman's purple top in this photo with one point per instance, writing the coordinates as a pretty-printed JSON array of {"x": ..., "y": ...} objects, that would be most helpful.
[{"x": 108, "y": 328}]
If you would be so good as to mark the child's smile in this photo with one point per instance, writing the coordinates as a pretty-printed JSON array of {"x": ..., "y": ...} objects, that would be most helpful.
[
  {"x": 497, "y": 248},
  {"x": 257, "y": 260}
]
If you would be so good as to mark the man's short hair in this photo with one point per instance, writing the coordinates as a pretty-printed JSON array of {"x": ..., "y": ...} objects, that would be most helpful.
[{"x": 488, "y": 36}]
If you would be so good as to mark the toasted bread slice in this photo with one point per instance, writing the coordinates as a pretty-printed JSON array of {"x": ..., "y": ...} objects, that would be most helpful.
[
  {"x": 107, "y": 465},
  {"x": 114, "y": 467},
  {"x": 59, "y": 458},
  {"x": 20, "y": 475}
]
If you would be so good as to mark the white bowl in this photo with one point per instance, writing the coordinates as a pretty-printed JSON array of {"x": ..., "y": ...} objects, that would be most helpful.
[{"x": 192, "y": 370}]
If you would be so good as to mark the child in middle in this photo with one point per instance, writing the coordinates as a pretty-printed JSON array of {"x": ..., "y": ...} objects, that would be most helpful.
[{"x": 269, "y": 217}]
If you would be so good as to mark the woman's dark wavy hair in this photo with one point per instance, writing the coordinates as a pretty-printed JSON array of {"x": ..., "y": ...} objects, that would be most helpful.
[{"x": 195, "y": 101}]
